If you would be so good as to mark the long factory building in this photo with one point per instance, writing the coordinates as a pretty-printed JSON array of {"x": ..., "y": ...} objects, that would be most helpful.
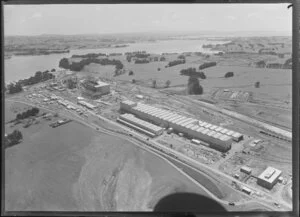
[
  {"x": 217, "y": 137},
  {"x": 140, "y": 125}
]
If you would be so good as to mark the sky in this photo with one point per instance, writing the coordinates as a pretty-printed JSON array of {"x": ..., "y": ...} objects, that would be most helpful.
[{"x": 117, "y": 18}]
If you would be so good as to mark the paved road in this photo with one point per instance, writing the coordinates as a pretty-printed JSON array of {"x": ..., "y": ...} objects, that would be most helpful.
[{"x": 160, "y": 154}]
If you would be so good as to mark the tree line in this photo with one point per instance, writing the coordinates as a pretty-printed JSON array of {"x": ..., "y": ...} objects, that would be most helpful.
[
  {"x": 89, "y": 55},
  {"x": 78, "y": 66},
  {"x": 141, "y": 61},
  {"x": 176, "y": 62},
  {"x": 37, "y": 78},
  {"x": 207, "y": 65},
  {"x": 30, "y": 112}
]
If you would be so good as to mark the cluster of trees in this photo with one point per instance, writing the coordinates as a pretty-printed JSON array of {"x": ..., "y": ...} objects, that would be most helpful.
[
  {"x": 162, "y": 59},
  {"x": 115, "y": 54},
  {"x": 37, "y": 78},
  {"x": 229, "y": 74},
  {"x": 194, "y": 87},
  {"x": 13, "y": 138},
  {"x": 176, "y": 62},
  {"x": 119, "y": 72},
  {"x": 167, "y": 84},
  {"x": 193, "y": 72},
  {"x": 181, "y": 57},
  {"x": 14, "y": 88},
  {"x": 141, "y": 61},
  {"x": 207, "y": 65},
  {"x": 266, "y": 51},
  {"x": 261, "y": 64},
  {"x": 78, "y": 66},
  {"x": 257, "y": 84},
  {"x": 155, "y": 59},
  {"x": 207, "y": 46},
  {"x": 30, "y": 112},
  {"x": 137, "y": 54},
  {"x": 89, "y": 55}
]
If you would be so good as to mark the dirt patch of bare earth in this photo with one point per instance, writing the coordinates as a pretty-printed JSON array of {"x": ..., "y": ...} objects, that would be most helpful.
[{"x": 118, "y": 176}]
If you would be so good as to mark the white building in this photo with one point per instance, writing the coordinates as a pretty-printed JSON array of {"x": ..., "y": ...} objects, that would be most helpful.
[{"x": 269, "y": 177}]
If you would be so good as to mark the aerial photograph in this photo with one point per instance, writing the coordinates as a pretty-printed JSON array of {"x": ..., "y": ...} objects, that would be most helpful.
[{"x": 147, "y": 107}]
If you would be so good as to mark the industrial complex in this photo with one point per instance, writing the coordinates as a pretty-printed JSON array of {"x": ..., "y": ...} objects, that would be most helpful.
[
  {"x": 95, "y": 89},
  {"x": 217, "y": 137}
]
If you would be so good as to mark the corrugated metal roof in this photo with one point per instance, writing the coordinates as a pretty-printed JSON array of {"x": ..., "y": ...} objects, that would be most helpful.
[
  {"x": 162, "y": 114},
  {"x": 200, "y": 129},
  {"x": 187, "y": 122},
  {"x": 205, "y": 124},
  {"x": 205, "y": 131},
  {"x": 170, "y": 117},
  {"x": 194, "y": 127},
  {"x": 230, "y": 132},
  {"x": 224, "y": 138},
  {"x": 236, "y": 134},
  {"x": 219, "y": 129},
  {"x": 189, "y": 126},
  {"x": 184, "y": 121},
  {"x": 224, "y": 131},
  {"x": 218, "y": 135},
  {"x": 213, "y": 127},
  {"x": 178, "y": 122},
  {"x": 208, "y": 126},
  {"x": 211, "y": 133}
]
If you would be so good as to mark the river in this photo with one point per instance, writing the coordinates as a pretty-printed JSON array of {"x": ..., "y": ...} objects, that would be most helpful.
[{"x": 20, "y": 67}]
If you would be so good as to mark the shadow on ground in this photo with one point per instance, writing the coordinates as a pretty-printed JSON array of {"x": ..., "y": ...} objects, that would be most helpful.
[{"x": 188, "y": 202}]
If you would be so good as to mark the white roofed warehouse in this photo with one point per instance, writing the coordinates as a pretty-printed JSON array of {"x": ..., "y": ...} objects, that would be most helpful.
[
  {"x": 269, "y": 177},
  {"x": 218, "y": 138}
]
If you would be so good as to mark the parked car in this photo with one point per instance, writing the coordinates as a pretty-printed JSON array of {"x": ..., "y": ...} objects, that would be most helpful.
[{"x": 231, "y": 203}]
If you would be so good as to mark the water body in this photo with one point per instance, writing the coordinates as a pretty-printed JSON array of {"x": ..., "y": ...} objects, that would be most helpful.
[{"x": 19, "y": 67}]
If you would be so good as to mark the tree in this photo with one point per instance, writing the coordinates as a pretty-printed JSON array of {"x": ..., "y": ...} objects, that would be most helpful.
[
  {"x": 207, "y": 65},
  {"x": 168, "y": 82},
  {"x": 130, "y": 73},
  {"x": 194, "y": 86},
  {"x": 181, "y": 57},
  {"x": 133, "y": 81},
  {"x": 257, "y": 84},
  {"x": 128, "y": 58},
  {"x": 53, "y": 70},
  {"x": 162, "y": 59},
  {"x": 228, "y": 75},
  {"x": 154, "y": 83},
  {"x": 158, "y": 69},
  {"x": 202, "y": 75}
]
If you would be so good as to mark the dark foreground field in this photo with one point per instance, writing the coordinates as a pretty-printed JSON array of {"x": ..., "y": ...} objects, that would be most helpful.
[{"x": 72, "y": 168}]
